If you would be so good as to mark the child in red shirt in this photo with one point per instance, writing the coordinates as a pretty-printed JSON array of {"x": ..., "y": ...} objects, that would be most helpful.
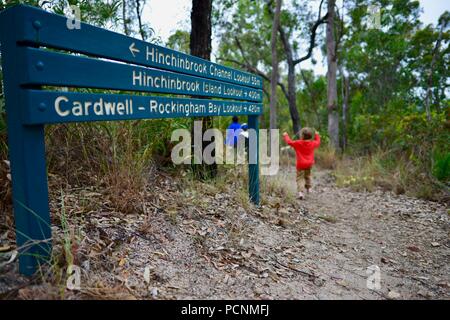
[{"x": 304, "y": 150}]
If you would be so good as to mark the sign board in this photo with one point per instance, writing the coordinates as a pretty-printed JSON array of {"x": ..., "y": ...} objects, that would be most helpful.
[{"x": 39, "y": 51}]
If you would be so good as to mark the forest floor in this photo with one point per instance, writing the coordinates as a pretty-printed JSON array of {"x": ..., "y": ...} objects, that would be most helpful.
[{"x": 205, "y": 241}]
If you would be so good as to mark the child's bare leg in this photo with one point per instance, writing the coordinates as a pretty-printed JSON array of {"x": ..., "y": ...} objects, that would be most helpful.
[
  {"x": 308, "y": 180},
  {"x": 300, "y": 174}
]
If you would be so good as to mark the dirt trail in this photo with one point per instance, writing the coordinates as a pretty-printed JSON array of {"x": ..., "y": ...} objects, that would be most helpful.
[
  {"x": 203, "y": 244},
  {"x": 406, "y": 238}
]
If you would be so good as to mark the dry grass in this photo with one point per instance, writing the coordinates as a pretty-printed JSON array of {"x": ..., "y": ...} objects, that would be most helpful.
[
  {"x": 276, "y": 186},
  {"x": 110, "y": 157},
  {"x": 381, "y": 170},
  {"x": 124, "y": 186},
  {"x": 6, "y": 220},
  {"x": 326, "y": 157}
]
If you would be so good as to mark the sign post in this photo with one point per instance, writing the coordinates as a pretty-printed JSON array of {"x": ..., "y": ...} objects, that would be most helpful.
[
  {"x": 27, "y": 161},
  {"x": 27, "y": 37},
  {"x": 253, "y": 166}
]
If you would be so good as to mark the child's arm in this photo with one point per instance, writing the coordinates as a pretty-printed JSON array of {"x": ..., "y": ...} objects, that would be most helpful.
[
  {"x": 288, "y": 140},
  {"x": 317, "y": 140}
]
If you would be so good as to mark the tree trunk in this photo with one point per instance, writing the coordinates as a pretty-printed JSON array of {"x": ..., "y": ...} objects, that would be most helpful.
[
  {"x": 138, "y": 13},
  {"x": 126, "y": 31},
  {"x": 333, "y": 115},
  {"x": 200, "y": 46},
  {"x": 200, "y": 39},
  {"x": 289, "y": 93},
  {"x": 291, "y": 97},
  {"x": 346, "y": 94},
  {"x": 274, "y": 75},
  {"x": 312, "y": 95}
]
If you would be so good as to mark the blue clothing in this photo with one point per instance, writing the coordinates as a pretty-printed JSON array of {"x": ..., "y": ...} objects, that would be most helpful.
[{"x": 233, "y": 131}]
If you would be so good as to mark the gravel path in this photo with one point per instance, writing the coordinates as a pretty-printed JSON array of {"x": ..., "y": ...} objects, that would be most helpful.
[
  {"x": 406, "y": 239},
  {"x": 199, "y": 242}
]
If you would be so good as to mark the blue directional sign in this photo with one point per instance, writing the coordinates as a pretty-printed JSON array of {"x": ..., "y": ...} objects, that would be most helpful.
[
  {"x": 60, "y": 107},
  {"x": 95, "y": 58},
  {"x": 57, "y": 69},
  {"x": 45, "y": 29}
]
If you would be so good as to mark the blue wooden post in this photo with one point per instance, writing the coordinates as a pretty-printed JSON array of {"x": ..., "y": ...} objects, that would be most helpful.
[
  {"x": 253, "y": 166},
  {"x": 27, "y": 158}
]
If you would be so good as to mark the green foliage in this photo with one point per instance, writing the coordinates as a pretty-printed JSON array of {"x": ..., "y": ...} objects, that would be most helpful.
[
  {"x": 441, "y": 166},
  {"x": 392, "y": 71},
  {"x": 311, "y": 100},
  {"x": 416, "y": 147},
  {"x": 179, "y": 41}
]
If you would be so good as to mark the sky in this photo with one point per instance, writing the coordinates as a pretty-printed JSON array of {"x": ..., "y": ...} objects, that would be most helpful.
[{"x": 167, "y": 16}]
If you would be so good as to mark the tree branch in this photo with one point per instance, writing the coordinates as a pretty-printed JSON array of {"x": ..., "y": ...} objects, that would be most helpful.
[
  {"x": 251, "y": 68},
  {"x": 286, "y": 44},
  {"x": 306, "y": 81},
  {"x": 312, "y": 42}
]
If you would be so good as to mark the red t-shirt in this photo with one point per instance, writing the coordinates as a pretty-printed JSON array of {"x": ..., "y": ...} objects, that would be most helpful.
[{"x": 304, "y": 149}]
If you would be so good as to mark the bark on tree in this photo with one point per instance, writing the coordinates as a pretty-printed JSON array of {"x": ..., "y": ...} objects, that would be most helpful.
[
  {"x": 291, "y": 90},
  {"x": 126, "y": 31},
  {"x": 345, "y": 97},
  {"x": 274, "y": 75},
  {"x": 313, "y": 96},
  {"x": 200, "y": 46},
  {"x": 333, "y": 115},
  {"x": 138, "y": 14}
]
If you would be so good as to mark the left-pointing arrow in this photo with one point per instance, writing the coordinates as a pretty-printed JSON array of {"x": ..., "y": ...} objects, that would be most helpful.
[{"x": 133, "y": 49}]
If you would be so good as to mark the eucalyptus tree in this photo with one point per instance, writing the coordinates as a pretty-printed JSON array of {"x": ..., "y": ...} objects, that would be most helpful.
[
  {"x": 274, "y": 75},
  {"x": 245, "y": 41},
  {"x": 287, "y": 29},
  {"x": 332, "y": 103},
  {"x": 395, "y": 68},
  {"x": 376, "y": 58},
  {"x": 429, "y": 56},
  {"x": 200, "y": 46}
]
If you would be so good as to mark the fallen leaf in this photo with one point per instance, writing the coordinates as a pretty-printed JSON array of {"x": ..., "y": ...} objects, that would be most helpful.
[
  {"x": 393, "y": 295},
  {"x": 342, "y": 283},
  {"x": 258, "y": 248},
  {"x": 11, "y": 259},
  {"x": 435, "y": 244},
  {"x": 147, "y": 275},
  {"x": 5, "y": 248},
  {"x": 413, "y": 248}
]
